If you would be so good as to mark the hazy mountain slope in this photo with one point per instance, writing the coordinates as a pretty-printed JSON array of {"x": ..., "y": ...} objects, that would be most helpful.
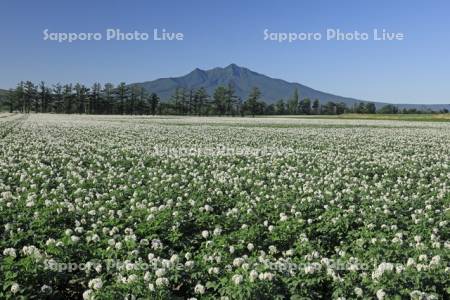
[{"x": 244, "y": 80}]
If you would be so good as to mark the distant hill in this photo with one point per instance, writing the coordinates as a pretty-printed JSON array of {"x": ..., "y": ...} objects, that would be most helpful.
[{"x": 244, "y": 80}]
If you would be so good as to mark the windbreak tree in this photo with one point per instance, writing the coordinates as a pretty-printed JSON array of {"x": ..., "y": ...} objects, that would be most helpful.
[
  {"x": 252, "y": 104},
  {"x": 305, "y": 107},
  {"x": 201, "y": 101},
  {"x": 231, "y": 100},
  {"x": 280, "y": 107},
  {"x": 31, "y": 96},
  {"x": 154, "y": 102},
  {"x": 220, "y": 100},
  {"x": 316, "y": 107},
  {"x": 371, "y": 108},
  {"x": 293, "y": 103},
  {"x": 121, "y": 94},
  {"x": 107, "y": 102}
]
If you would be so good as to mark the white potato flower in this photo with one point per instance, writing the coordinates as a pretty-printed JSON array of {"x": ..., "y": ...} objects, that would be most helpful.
[
  {"x": 237, "y": 279},
  {"x": 15, "y": 288},
  {"x": 199, "y": 289},
  {"x": 95, "y": 283}
]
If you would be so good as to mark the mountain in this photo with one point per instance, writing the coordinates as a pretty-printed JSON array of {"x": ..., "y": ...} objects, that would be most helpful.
[{"x": 244, "y": 80}]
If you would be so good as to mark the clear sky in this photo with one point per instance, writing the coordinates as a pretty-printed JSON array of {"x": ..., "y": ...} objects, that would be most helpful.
[{"x": 217, "y": 33}]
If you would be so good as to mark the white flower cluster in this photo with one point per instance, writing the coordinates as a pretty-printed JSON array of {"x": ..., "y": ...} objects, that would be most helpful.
[{"x": 257, "y": 207}]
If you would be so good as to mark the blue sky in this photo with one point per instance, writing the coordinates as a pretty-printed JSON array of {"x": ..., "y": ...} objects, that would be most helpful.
[{"x": 217, "y": 33}]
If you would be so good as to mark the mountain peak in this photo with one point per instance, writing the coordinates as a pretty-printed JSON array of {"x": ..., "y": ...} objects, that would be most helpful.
[
  {"x": 232, "y": 66},
  {"x": 197, "y": 71},
  {"x": 198, "y": 74},
  {"x": 235, "y": 70}
]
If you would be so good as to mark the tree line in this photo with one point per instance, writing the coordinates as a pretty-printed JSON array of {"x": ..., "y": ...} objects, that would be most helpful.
[
  {"x": 126, "y": 99},
  {"x": 107, "y": 99}
]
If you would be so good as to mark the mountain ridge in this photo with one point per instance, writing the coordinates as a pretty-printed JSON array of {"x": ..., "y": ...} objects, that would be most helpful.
[{"x": 244, "y": 79}]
